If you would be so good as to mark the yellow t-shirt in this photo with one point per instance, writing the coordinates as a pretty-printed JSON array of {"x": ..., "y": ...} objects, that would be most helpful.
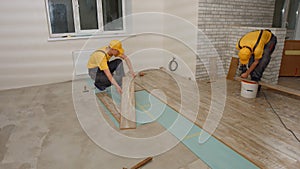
[
  {"x": 99, "y": 59},
  {"x": 250, "y": 40}
]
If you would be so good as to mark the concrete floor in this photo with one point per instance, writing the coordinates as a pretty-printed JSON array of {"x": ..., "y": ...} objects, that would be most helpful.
[{"x": 39, "y": 129}]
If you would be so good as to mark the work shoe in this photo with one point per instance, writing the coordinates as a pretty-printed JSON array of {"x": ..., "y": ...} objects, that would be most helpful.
[{"x": 100, "y": 89}]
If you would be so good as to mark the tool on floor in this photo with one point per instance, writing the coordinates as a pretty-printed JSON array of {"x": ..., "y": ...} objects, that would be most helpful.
[
  {"x": 141, "y": 164},
  {"x": 85, "y": 90},
  {"x": 141, "y": 74}
]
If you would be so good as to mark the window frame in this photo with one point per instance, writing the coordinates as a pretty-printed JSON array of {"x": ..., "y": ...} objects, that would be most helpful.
[{"x": 76, "y": 19}]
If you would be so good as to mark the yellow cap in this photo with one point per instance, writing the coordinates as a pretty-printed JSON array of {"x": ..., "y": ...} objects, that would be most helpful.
[
  {"x": 115, "y": 44},
  {"x": 244, "y": 55}
]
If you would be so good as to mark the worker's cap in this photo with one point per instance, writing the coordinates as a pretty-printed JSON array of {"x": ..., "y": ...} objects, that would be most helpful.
[
  {"x": 244, "y": 55},
  {"x": 115, "y": 44}
]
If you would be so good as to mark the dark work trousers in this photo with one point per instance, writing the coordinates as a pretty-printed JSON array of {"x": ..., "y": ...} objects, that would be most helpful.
[
  {"x": 116, "y": 69},
  {"x": 269, "y": 48}
]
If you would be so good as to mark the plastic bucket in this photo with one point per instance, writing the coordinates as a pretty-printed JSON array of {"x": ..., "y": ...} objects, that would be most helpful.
[{"x": 248, "y": 89}]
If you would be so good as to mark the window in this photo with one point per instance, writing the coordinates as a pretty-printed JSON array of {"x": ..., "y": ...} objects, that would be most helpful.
[
  {"x": 84, "y": 17},
  {"x": 286, "y": 15}
]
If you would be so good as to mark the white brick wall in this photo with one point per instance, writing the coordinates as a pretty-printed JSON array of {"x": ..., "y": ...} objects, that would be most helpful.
[{"x": 224, "y": 22}]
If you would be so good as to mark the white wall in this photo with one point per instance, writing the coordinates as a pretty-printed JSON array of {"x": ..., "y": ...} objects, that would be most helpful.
[
  {"x": 181, "y": 26},
  {"x": 28, "y": 58}
]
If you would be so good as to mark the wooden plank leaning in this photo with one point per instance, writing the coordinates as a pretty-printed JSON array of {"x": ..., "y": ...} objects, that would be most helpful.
[{"x": 232, "y": 68}]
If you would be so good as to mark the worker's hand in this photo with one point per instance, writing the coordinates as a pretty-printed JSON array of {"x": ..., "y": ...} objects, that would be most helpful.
[
  {"x": 119, "y": 89},
  {"x": 244, "y": 75},
  {"x": 133, "y": 74}
]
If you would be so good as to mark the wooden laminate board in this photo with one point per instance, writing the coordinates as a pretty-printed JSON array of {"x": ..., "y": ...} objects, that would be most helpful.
[
  {"x": 232, "y": 68},
  {"x": 108, "y": 102},
  {"x": 128, "y": 119}
]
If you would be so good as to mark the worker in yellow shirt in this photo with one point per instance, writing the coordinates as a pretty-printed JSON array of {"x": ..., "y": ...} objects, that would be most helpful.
[
  {"x": 255, "y": 49},
  {"x": 101, "y": 68}
]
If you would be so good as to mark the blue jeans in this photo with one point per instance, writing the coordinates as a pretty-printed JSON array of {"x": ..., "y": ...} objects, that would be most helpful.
[
  {"x": 116, "y": 68},
  {"x": 269, "y": 48}
]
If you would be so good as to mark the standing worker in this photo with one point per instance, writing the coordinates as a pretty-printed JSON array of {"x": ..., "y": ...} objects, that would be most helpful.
[
  {"x": 101, "y": 68},
  {"x": 255, "y": 49}
]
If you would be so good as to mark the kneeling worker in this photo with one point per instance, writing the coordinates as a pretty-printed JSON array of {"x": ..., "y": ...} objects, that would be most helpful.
[
  {"x": 255, "y": 49},
  {"x": 101, "y": 68}
]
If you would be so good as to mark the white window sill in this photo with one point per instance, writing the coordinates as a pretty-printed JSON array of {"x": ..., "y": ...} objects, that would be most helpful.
[{"x": 87, "y": 36}]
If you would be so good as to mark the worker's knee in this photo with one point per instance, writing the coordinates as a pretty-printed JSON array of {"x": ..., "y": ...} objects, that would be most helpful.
[{"x": 93, "y": 73}]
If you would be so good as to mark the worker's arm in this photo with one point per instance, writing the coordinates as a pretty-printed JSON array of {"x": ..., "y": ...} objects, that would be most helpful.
[
  {"x": 128, "y": 62},
  {"x": 112, "y": 80},
  {"x": 251, "y": 68}
]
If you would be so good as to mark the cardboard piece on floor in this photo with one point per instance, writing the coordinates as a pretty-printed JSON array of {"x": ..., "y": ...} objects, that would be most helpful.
[
  {"x": 128, "y": 119},
  {"x": 232, "y": 68}
]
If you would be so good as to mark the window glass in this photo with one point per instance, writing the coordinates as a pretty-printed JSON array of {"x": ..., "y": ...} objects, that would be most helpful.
[
  {"x": 112, "y": 15},
  {"x": 88, "y": 14},
  {"x": 292, "y": 16},
  {"x": 288, "y": 9},
  {"x": 61, "y": 16},
  {"x": 75, "y": 17},
  {"x": 278, "y": 13}
]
